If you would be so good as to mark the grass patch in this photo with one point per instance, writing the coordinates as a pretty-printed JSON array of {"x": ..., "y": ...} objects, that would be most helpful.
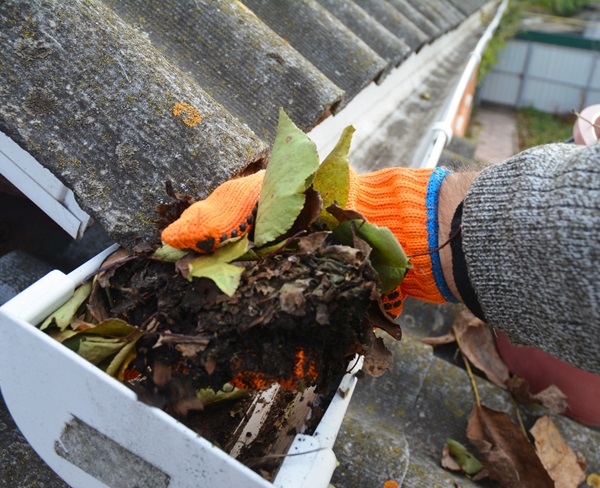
[{"x": 535, "y": 127}]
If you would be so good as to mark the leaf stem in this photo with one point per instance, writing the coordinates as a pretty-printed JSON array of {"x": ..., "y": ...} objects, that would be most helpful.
[
  {"x": 518, "y": 414},
  {"x": 469, "y": 371},
  {"x": 578, "y": 115}
]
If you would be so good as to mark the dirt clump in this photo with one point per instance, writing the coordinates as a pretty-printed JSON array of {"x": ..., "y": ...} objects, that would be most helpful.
[{"x": 296, "y": 319}]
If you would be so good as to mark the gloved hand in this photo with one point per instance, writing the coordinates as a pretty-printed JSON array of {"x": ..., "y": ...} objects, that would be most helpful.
[{"x": 403, "y": 199}]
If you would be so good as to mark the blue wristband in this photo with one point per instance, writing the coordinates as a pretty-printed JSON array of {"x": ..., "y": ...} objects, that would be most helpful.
[{"x": 431, "y": 204}]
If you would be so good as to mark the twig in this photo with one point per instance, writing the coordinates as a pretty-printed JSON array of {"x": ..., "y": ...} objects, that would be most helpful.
[
  {"x": 468, "y": 366},
  {"x": 518, "y": 413},
  {"x": 110, "y": 266},
  {"x": 254, "y": 462},
  {"x": 454, "y": 234},
  {"x": 578, "y": 115}
]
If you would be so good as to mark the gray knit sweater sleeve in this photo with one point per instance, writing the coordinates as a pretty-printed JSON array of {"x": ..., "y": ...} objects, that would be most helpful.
[{"x": 531, "y": 239}]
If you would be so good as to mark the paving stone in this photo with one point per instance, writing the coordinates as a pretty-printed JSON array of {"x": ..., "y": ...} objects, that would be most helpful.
[{"x": 497, "y": 134}]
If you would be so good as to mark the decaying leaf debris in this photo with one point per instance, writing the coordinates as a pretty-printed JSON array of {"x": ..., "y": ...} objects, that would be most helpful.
[
  {"x": 292, "y": 302},
  {"x": 296, "y": 318}
]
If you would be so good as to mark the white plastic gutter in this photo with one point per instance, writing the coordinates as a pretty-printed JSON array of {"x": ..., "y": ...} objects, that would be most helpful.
[
  {"x": 442, "y": 129},
  {"x": 42, "y": 187}
]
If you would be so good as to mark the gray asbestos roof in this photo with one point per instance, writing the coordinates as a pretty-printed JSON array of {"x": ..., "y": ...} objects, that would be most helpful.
[
  {"x": 117, "y": 97},
  {"x": 89, "y": 89}
]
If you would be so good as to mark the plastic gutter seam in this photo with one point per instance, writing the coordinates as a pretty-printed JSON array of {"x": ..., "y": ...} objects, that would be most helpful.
[{"x": 442, "y": 129}]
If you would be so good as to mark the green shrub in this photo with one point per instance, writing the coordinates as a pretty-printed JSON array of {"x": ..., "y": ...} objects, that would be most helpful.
[
  {"x": 535, "y": 127},
  {"x": 567, "y": 7},
  {"x": 563, "y": 8},
  {"x": 507, "y": 28}
]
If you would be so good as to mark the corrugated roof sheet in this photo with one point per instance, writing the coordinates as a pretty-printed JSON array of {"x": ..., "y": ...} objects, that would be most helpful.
[
  {"x": 382, "y": 41},
  {"x": 417, "y": 18},
  {"x": 393, "y": 20},
  {"x": 325, "y": 41},
  {"x": 241, "y": 63},
  {"x": 116, "y": 97},
  {"x": 428, "y": 8}
]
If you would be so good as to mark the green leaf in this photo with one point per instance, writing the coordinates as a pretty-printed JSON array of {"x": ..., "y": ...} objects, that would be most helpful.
[
  {"x": 94, "y": 348},
  {"x": 332, "y": 179},
  {"x": 100, "y": 342},
  {"x": 215, "y": 266},
  {"x": 387, "y": 256},
  {"x": 294, "y": 160},
  {"x": 469, "y": 463},
  {"x": 168, "y": 253},
  {"x": 121, "y": 357},
  {"x": 65, "y": 314},
  {"x": 227, "y": 394},
  {"x": 111, "y": 327}
]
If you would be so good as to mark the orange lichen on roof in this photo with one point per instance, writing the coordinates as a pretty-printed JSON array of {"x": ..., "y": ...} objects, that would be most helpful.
[
  {"x": 190, "y": 115},
  {"x": 390, "y": 484}
]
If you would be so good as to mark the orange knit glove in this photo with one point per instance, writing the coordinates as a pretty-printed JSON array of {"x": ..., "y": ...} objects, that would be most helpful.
[
  {"x": 402, "y": 199},
  {"x": 405, "y": 200},
  {"x": 228, "y": 212}
]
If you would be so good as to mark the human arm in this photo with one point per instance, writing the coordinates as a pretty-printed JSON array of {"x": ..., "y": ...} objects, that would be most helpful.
[
  {"x": 530, "y": 236},
  {"x": 528, "y": 243}
]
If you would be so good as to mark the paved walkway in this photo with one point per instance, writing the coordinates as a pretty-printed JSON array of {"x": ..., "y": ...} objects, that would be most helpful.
[{"x": 496, "y": 134}]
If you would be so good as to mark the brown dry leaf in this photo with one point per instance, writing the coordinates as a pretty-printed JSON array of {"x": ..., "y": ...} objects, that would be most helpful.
[
  {"x": 504, "y": 450},
  {"x": 183, "y": 407},
  {"x": 183, "y": 264},
  {"x": 519, "y": 389},
  {"x": 95, "y": 304},
  {"x": 292, "y": 300},
  {"x": 112, "y": 262},
  {"x": 557, "y": 457},
  {"x": 188, "y": 350},
  {"x": 309, "y": 213},
  {"x": 342, "y": 215},
  {"x": 478, "y": 345},
  {"x": 378, "y": 359},
  {"x": 162, "y": 374},
  {"x": 439, "y": 340},
  {"x": 381, "y": 320},
  {"x": 348, "y": 254},
  {"x": 552, "y": 397},
  {"x": 448, "y": 461},
  {"x": 210, "y": 365},
  {"x": 198, "y": 342},
  {"x": 312, "y": 242}
]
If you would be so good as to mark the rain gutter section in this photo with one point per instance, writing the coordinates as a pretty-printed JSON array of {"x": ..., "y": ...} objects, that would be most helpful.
[
  {"x": 442, "y": 129},
  {"x": 42, "y": 187}
]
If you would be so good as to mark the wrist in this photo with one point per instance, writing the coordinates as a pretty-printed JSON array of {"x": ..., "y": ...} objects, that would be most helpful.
[{"x": 452, "y": 192}]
